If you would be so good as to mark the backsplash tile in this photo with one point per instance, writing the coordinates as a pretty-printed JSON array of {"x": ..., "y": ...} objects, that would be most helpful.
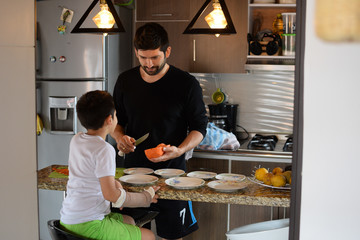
[{"x": 266, "y": 99}]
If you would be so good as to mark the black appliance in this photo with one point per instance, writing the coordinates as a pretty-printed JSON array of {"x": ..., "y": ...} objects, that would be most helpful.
[
  {"x": 288, "y": 146},
  {"x": 260, "y": 142},
  {"x": 224, "y": 116}
]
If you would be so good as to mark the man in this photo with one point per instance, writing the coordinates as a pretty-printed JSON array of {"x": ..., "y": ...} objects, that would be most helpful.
[{"x": 166, "y": 102}]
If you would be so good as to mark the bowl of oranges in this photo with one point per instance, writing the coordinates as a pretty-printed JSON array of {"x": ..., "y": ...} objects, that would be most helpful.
[{"x": 276, "y": 178}]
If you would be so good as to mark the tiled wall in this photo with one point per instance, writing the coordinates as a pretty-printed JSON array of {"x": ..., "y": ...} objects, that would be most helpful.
[{"x": 265, "y": 98}]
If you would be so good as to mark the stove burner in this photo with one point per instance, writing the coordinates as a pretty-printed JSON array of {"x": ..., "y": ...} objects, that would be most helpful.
[
  {"x": 288, "y": 146},
  {"x": 259, "y": 142}
]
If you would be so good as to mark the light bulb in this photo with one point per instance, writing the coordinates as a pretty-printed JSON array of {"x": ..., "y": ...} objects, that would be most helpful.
[
  {"x": 104, "y": 19},
  {"x": 216, "y": 18}
]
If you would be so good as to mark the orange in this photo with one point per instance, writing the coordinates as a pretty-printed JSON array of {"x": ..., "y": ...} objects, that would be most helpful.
[
  {"x": 287, "y": 175},
  {"x": 278, "y": 181},
  {"x": 277, "y": 170},
  {"x": 260, "y": 173},
  {"x": 267, "y": 178}
]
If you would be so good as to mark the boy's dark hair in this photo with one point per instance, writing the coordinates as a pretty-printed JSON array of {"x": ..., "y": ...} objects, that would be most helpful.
[
  {"x": 151, "y": 36},
  {"x": 94, "y": 107}
]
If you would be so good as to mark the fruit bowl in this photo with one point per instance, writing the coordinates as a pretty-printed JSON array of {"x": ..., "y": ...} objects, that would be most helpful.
[{"x": 252, "y": 179}]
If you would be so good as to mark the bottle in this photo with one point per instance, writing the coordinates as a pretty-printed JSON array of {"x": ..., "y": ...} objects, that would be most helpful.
[{"x": 278, "y": 25}]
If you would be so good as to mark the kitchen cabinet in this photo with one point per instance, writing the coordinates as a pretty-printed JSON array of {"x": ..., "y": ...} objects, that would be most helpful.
[
  {"x": 162, "y": 10},
  {"x": 267, "y": 13},
  {"x": 216, "y": 219},
  {"x": 223, "y": 54},
  {"x": 198, "y": 52}
]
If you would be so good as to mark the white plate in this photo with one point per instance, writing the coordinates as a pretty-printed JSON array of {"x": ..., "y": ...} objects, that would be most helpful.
[
  {"x": 226, "y": 186},
  {"x": 253, "y": 179},
  {"x": 169, "y": 172},
  {"x": 138, "y": 179},
  {"x": 185, "y": 182},
  {"x": 202, "y": 174},
  {"x": 133, "y": 171},
  {"x": 230, "y": 177}
]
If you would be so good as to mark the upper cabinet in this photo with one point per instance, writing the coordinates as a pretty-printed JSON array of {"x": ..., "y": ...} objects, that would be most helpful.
[
  {"x": 223, "y": 54},
  {"x": 162, "y": 10}
]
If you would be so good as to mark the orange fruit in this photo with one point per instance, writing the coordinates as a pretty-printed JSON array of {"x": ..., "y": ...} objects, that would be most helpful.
[
  {"x": 278, "y": 180},
  {"x": 260, "y": 173},
  {"x": 277, "y": 170},
  {"x": 267, "y": 178},
  {"x": 287, "y": 175}
]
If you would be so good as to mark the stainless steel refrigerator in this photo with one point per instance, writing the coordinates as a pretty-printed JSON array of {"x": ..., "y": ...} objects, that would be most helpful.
[{"x": 68, "y": 65}]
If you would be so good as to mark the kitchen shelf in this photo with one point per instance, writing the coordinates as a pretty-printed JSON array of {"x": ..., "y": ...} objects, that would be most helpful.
[
  {"x": 269, "y": 57},
  {"x": 268, "y": 12},
  {"x": 267, "y": 63},
  {"x": 272, "y": 5}
]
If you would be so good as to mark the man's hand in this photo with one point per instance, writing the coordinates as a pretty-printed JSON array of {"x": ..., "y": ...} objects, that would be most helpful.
[
  {"x": 125, "y": 144},
  {"x": 170, "y": 152}
]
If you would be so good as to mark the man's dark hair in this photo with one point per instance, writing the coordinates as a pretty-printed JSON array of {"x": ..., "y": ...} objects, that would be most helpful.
[
  {"x": 94, "y": 107},
  {"x": 151, "y": 36}
]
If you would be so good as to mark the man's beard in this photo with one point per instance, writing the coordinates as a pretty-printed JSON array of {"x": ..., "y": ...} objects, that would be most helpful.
[{"x": 157, "y": 69}]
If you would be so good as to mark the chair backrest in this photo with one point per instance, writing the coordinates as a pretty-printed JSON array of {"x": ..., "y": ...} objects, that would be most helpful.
[{"x": 58, "y": 234}]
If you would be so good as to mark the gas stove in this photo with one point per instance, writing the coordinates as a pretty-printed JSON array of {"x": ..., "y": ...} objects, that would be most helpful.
[
  {"x": 260, "y": 142},
  {"x": 288, "y": 146},
  {"x": 273, "y": 143}
]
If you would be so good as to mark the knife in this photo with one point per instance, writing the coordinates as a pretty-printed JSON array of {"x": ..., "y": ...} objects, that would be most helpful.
[
  {"x": 140, "y": 140},
  {"x": 137, "y": 142}
]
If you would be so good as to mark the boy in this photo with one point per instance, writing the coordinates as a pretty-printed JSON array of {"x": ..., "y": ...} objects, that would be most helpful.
[{"x": 91, "y": 186}]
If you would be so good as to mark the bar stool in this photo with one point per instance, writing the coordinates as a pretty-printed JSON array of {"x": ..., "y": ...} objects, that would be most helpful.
[
  {"x": 140, "y": 216},
  {"x": 57, "y": 233}
]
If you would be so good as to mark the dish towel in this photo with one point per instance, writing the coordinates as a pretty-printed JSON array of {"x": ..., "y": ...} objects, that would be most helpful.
[{"x": 218, "y": 139}]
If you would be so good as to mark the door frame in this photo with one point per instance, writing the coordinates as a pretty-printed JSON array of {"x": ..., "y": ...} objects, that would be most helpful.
[{"x": 297, "y": 162}]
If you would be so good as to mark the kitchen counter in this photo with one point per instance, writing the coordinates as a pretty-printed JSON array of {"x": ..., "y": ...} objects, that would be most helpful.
[{"x": 253, "y": 194}]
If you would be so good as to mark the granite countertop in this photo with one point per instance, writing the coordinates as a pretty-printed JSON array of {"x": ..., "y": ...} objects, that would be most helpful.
[{"x": 253, "y": 194}]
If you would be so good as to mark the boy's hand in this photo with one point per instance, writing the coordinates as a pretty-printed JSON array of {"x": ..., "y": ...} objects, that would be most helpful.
[{"x": 152, "y": 191}]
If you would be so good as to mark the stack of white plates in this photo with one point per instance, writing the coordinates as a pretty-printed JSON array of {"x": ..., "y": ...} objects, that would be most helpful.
[{"x": 228, "y": 182}]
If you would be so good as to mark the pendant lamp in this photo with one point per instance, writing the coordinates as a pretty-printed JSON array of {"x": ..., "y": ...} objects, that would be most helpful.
[
  {"x": 104, "y": 20},
  {"x": 219, "y": 20}
]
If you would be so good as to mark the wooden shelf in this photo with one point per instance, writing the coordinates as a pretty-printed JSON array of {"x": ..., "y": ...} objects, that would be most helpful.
[
  {"x": 272, "y": 5},
  {"x": 270, "y": 57}
]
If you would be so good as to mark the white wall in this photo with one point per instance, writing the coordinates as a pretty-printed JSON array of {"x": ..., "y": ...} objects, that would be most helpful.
[
  {"x": 18, "y": 208},
  {"x": 330, "y": 189}
]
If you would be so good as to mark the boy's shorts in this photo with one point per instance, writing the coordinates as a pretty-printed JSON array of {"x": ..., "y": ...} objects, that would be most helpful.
[
  {"x": 111, "y": 227},
  {"x": 175, "y": 220}
]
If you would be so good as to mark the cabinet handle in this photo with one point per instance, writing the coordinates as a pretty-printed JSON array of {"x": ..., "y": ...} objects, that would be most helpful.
[
  {"x": 194, "y": 50},
  {"x": 161, "y": 15}
]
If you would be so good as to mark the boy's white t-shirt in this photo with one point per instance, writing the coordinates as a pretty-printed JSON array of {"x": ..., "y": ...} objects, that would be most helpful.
[{"x": 90, "y": 158}]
